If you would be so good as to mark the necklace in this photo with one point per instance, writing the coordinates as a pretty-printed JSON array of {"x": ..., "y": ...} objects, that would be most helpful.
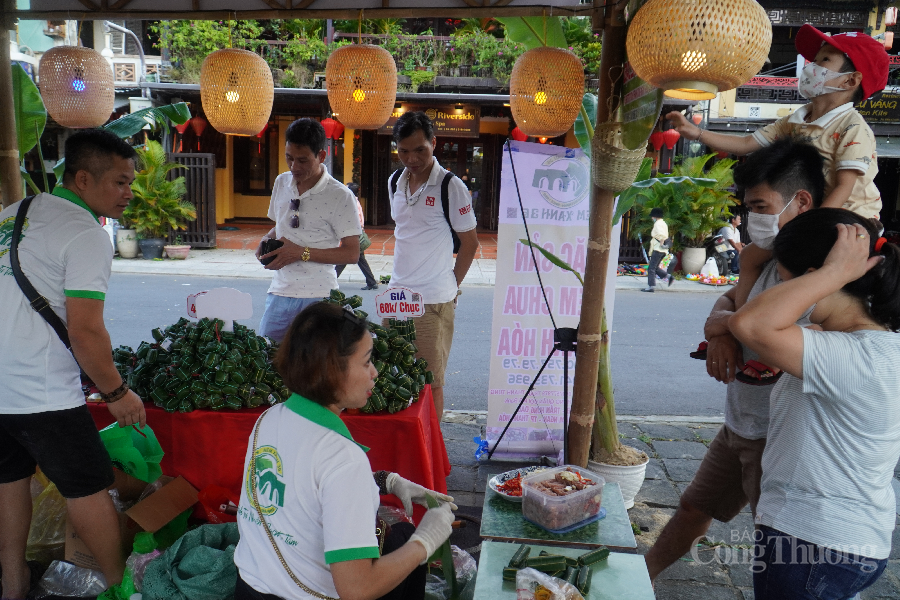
[
  {"x": 411, "y": 200},
  {"x": 858, "y": 325}
]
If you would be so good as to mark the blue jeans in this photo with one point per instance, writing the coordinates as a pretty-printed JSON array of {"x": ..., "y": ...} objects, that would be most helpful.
[
  {"x": 654, "y": 270},
  {"x": 788, "y": 568},
  {"x": 735, "y": 261},
  {"x": 279, "y": 314}
]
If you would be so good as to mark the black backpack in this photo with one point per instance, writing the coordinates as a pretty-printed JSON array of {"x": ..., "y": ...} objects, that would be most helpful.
[{"x": 445, "y": 201}]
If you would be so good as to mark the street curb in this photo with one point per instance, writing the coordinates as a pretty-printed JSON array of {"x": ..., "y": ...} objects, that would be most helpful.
[{"x": 472, "y": 416}]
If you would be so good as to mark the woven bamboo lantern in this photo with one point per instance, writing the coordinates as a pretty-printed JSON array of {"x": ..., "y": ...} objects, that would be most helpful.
[
  {"x": 77, "y": 86},
  {"x": 362, "y": 85},
  {"x": 545, "y": 91},
  {"x": 694, "y": 49},
  {"x": 236, "y": 90}
]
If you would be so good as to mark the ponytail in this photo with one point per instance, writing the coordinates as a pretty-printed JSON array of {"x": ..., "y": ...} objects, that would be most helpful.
[{"x": 884, "y": 293}]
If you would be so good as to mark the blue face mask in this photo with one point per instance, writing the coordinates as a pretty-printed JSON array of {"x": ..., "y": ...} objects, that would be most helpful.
[{"x": 763, "y": 228}]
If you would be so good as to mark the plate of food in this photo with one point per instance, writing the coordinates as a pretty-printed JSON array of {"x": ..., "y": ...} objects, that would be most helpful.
[{"x": 509, "y": 485}]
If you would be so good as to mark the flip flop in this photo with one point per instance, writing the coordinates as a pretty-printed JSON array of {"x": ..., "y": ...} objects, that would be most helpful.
[
  {"x": 700, "y": 352},
  {"x": 762, "y": 374}
]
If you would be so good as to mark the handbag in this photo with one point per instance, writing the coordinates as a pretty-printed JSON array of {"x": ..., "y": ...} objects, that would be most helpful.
[
  {"x": 364, "y": 242},
  {"x": 381, "y": 528}
]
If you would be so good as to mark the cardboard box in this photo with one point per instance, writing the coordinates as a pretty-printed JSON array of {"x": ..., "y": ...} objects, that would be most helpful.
[{"x": 150, "y": 514}]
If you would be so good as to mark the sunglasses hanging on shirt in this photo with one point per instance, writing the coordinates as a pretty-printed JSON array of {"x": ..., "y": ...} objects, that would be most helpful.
[{"x": 295, "y": 219}]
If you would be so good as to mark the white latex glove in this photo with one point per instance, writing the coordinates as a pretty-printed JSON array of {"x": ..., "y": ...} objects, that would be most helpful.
[
  {"x": 409, "y": 492},
  {"x": 434, "y": 529}
]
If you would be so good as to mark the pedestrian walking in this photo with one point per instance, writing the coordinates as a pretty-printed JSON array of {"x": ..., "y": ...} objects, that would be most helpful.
[
  {"x": 659, "y": 247},
  {"x": 316, "y": 224},
  {"x": 65, "y": 255},
  {"x": 732, "y": 237},
  {"x": 362, "y": 263}
]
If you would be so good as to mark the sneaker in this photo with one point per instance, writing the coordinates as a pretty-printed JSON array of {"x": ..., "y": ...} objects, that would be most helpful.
[
  {"x": 670, "y": 280},
  {"x": 649, "y": 289},
  {"x": 370, "y": 287}
]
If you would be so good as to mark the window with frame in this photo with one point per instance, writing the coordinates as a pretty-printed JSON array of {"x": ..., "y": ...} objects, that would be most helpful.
[{"x": 256, "y": 163}]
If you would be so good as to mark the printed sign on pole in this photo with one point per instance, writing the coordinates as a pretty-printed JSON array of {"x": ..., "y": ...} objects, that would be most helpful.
[{"x": 399, "y": 303}]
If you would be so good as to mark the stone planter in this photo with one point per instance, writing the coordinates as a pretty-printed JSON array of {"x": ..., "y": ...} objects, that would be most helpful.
[
  {"x": 127, "y": 243},
  {"x": 692, "y": 259},
  {"x": 177, "y": 251},
  {"x": 630, "y": 478},
  {"x": 152, "y": 248}
]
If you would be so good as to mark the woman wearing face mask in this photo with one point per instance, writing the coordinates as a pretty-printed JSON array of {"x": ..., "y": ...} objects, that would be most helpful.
[
  {"x": 307, "y": 514},
  {"x": 844, "y": 69},
  {"x": 827, "y": 509}
]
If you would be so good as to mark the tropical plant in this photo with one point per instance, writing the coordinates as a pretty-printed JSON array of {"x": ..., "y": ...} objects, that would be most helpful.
[
  {"x": 577, "y": 30},
  {"x": 695, "y": 200},
  {"x": 189, "y": 42},
  {"x": 418, "y": 78},
  {"x": 31, "y": 117},
  {"x": 158, "y": 204}
]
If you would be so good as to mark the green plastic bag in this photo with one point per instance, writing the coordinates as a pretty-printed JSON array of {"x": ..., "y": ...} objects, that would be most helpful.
[
  {"x": 199, "y": 566},
  {"x": 135, "y": 451}
]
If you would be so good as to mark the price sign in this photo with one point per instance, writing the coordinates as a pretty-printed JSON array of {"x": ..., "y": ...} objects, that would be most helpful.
[
  {"x": 227, "y": 304},
  {"x": 399, "y": 303}
]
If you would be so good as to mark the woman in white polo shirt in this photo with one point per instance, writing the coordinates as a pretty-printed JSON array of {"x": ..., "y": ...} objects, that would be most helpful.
[
  {"x": 307, "y": 514},
  {"x": 827, "y": 509}
]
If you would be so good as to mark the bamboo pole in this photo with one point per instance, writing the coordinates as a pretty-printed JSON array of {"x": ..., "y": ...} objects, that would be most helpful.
[
  {"x": 10, "y": 177},
  {"x": 591, "y": 332}
]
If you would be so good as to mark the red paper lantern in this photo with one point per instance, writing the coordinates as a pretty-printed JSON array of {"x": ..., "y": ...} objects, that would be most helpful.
[
  {"x": 328, "y": 126},
  {"x": 338, "y": 131},
  {"x": 183, "y": 127},
  {"x": 670, "y": 138},
  {"x": 518, "y": 135},
  {"x": 198, "y": 124},
  {"x": 697, "y": 118},
  {"x": 722, "y": 154},
  {"x": 656, "y": 140}
]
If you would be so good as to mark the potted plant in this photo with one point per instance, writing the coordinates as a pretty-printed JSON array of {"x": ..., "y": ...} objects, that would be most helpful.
[
  {"x": 158, "y": 204},
  {"x": 694, "y": 201},
  {"x": 126, "y": 239},
  {"x": 178, "y": 250}
]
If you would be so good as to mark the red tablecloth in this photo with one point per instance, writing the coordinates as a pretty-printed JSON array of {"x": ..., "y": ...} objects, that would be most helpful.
[{"x": 208, "y": 447}]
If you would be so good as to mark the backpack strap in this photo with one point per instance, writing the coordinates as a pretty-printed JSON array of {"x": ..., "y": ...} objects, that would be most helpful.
[
  {"x": 37, "y": 302},
  {"x": 394, "y": 179},
  {"x": 445, "y": 196}
]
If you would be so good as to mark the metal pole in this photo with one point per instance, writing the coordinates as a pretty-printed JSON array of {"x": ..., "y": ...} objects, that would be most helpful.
[
  {"x": 10, "y": 177},
  {"x": 584, "y": 396},
  {"x": 145, "y": 92}
]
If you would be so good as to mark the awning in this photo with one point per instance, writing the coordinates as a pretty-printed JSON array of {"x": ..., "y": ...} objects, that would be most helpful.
[{"x": 887, "y": 147}]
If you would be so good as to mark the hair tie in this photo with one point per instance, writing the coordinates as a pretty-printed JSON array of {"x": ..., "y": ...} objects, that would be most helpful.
[{"x": 879, "y": 243}]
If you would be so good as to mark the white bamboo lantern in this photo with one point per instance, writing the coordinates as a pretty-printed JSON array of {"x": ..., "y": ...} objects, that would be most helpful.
[
  {"x": 77, "y": 86},
  {"x": 362, "y": 85},
  {"x": 237, "y": 91},
  {"x": 545, "y": 91}
]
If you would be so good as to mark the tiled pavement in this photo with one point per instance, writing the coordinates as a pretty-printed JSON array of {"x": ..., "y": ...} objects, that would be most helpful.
[{"x": 718, "y": 569}]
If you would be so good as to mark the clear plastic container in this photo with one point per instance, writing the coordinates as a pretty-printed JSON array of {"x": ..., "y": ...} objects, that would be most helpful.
[{"x": 555, "y": 513}]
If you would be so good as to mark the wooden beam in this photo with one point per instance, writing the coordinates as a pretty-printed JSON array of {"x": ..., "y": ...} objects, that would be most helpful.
[
  {"x": 87, "y": 4},
  {"x": 120, "y": 4},
  {"x": 10, "y": 177}
]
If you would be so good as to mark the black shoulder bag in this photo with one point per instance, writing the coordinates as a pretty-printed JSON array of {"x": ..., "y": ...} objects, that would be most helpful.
[
  {"x": 38, "y": 302},
  {"x": 445, "y": 202}
]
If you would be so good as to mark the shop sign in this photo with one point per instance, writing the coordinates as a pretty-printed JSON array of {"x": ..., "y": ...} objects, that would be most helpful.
[
  {"x": 450, "y": 120},
  {"x": 399, "y": 303},
  {"x": 883, "y": 107}
]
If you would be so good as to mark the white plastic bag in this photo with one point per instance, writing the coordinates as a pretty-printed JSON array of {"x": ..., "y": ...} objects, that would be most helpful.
[
  {"x": 534, "y": 585},
  {"x": 710, "y": 269}
]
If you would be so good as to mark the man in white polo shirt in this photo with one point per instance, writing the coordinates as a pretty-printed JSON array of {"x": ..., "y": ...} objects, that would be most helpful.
[
  {"x": 66, "y": 256},
  {"x": 423, "y": 252},
  {"x": 315, "y": 216}
]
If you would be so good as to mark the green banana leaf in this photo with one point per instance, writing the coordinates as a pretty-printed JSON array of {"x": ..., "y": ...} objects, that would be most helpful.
[
  {"x": 629, "y": 197},
  {"x": 584, "y": 130},
  {"x": 127, "y": 126},
  {"x": 31, "y": 116},
  {"x": 445, "y": 555},
  {"x": 534, "y": 32},
  {"x": 554, "y": 259}
]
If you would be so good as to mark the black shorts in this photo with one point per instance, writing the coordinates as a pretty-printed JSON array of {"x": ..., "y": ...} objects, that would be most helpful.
[{"x": 64, "y": 443}]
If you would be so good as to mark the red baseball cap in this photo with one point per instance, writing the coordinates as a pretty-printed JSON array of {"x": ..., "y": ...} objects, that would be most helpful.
[{"x": 868, "y": 54}]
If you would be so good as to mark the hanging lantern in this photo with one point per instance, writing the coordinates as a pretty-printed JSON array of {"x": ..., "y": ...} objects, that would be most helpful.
[
  {"x": 670, "y": 138},
  {"x": 694, "y": 49},
  {"x": 545, "y": 91},
  {"x": 236, "y": 90},
  {"x": 338, "y": 131},
  {"x": 183, "y": 127},
  {"x": 890, "y": 16},
  {"x": 518, "y": 135},
  {"x": 656, "y": 140},
  {"x": 362, "y": 85},
  {"x": 77, "y": 86},
  {"x": 542, "y": 139},
  {"x": 259, "y": 137},
  {"x": 721, "y": 154},
  {"x": 198, "y": 124},
  {"x": 328, "y": 126},
  {"x": 697, "y": 118}
]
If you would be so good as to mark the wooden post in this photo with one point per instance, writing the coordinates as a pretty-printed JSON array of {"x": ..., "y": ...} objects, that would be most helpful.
[
  {"x": 584, "y": 396},
  {"x": 10, "y": 177}
]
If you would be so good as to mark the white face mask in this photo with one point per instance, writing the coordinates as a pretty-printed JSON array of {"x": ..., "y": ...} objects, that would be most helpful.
[
  {"x": 812, "y": 81},
  {"x": 763, "y": 228}
]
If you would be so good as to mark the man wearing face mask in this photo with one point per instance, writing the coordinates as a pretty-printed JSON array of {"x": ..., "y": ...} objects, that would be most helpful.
[
  {"x": 779, "y": 182},
  {"x": 844, "y": 69}
]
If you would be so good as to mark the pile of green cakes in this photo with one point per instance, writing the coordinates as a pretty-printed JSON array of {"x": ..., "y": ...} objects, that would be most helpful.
[{"x": 198, "y": 365}]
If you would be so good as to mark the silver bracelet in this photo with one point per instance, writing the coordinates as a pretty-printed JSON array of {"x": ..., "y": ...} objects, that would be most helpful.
[{"x": 700, "y": 135}]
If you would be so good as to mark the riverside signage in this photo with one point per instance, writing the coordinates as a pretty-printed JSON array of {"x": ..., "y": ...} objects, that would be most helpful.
[
  {"x": 555, "y": 185},
  {"x": 450, "y": 120}
]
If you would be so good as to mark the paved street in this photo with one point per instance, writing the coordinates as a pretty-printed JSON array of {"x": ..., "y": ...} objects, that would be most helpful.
[{"x": 652, "y": 336}]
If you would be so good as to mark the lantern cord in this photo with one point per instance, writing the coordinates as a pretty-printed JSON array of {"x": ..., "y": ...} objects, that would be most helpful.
[
  {"x": 229, "y": 32},
  {"x": 359, "y": 25}
]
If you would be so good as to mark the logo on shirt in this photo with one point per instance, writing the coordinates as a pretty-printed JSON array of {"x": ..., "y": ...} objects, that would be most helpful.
[
  {"x": 6, "y": 232},
  {"x": 563, "y": 181},
  {"x": 429, "y": 201},
  {"x": 266, "y": 468},
  {"x": 465, "y": 209}
]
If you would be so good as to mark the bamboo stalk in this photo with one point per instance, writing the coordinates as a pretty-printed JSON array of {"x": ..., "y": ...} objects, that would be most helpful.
[{"x": 10, "y": 176}]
